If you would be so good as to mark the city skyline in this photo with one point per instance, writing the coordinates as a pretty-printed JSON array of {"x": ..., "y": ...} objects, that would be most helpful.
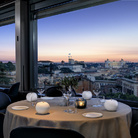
[{"x": 91, "y": 34}]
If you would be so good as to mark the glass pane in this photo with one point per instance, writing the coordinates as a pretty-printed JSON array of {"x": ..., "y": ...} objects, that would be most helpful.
[
  {"x": 97, "y": 45},
  {"x": 7, "y": 55}
]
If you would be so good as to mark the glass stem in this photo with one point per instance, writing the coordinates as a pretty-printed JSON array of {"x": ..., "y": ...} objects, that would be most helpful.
[{"x": 67, "y": 102}]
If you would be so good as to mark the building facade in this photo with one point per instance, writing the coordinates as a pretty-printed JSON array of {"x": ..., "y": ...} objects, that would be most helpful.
[
  {"x": 114, "y": 64},
  {"x": 130, "y": 86}
]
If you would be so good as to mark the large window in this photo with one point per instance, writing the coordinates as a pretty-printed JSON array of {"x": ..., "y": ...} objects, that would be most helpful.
[
  {"x": 7, "y": 55},
  {"x": 96, "y": 45}
]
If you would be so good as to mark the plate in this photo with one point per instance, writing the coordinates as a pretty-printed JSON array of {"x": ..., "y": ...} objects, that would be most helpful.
[
  {"x": 20, "y": 107},
  {"x": 47, "y": 98},
  {"x": 92, "y": 114}
]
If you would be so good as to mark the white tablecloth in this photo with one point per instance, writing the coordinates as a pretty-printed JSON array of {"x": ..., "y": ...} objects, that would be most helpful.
[{"x": 110, "y": 125}]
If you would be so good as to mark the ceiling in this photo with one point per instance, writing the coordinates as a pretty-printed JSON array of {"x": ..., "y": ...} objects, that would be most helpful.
[
  {"x": 44, "y": 8},
  {"x": 3, "y": 2}
]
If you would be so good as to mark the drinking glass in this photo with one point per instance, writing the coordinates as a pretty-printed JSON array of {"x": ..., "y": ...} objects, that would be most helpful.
[
  {"x": 41, "y": 88},
  {"x": 40, "y": 91},
  {"x": 33, "y": 102},
  {"x": 102, "y": 100},
  {"x": 67, "y": 96},
  {"x": 71, "y": 106},
  {"x": 96, "y": 92},
  {"x": 98, "y": 101},
  {"x": 32, "y": 99}
]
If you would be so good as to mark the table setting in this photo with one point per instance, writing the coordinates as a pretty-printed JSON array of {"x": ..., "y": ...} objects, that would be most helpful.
[
  {"x": 72, "y": 104},
  {"x": 78, "y": 114}
]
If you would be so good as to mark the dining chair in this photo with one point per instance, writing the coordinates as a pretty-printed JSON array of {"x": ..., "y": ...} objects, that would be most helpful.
[
  {"x": 57, "y": 92},
  {"x": 4, "y": 102},
  {"x": 134, "y": 131},
  {"x": 13, "y": 91},
  {"x": 1, "y": 124},
  {"x": 45, "y": 132},
  {"x": 134, "y": 123},
  {"x": 53, "y": 92}
]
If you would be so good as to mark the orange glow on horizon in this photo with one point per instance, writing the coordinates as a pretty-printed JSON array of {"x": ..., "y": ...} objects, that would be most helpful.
[{"x": 98, "y": 58}]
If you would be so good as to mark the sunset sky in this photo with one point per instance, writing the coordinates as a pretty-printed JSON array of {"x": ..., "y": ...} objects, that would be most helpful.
[{"x": 91, "y": 34}]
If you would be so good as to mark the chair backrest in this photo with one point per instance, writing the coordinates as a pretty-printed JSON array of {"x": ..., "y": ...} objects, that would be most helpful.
[
  {"x": 14, "y": 89},
  {"x": 1, "y": 124},
  {"x": 134, "y": 131},
  {"x": 38, "y": 132},
  {"x": 53, "y": 92},
  {"x": 134, "y": 115},
  {"x": 4, "y": 100},
  {"x": 134, "y": 123}
]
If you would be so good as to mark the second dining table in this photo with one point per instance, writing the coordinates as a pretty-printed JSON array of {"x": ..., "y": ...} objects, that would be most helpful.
[{"x": 109, "y": 125}]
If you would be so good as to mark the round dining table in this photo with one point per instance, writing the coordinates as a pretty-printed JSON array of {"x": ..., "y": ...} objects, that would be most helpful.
[{"x": 110, "y": 125}]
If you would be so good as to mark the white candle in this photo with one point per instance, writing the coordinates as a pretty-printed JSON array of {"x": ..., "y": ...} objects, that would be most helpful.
[
  {"x": 31, "y": 97},
  {"x": 42, "y": 107},
  {"x": 111, "y": 105},
  {"x": 87, "y": 95}
]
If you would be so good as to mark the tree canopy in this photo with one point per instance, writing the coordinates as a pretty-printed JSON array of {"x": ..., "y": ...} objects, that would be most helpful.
[{"x": 7, "y": 66}]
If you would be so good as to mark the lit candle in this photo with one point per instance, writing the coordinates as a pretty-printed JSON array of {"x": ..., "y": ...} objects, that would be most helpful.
[{"x": 81, "y": 103}]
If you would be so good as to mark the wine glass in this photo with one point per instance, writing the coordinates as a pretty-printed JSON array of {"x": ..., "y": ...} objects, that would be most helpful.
[
  {"x": 41, "y": 89},
  {"x": 98, "y": 102},
  {"x": 102, "y": 100},
  {"x": 97, "y": 91},
  {"x": 67, "y": 96},
  {"x": 33, "y": 101}
]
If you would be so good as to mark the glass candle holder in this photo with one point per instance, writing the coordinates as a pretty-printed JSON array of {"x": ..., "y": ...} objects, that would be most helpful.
[{"x": 80, "y": 103}]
